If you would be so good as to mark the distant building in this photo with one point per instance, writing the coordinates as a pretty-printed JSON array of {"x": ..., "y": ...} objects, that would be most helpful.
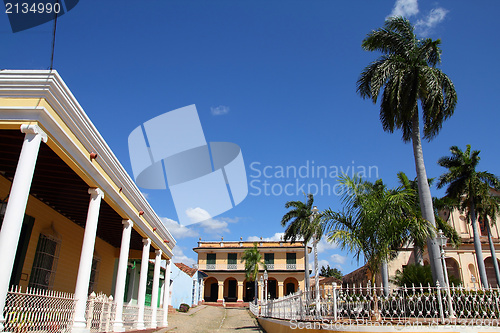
[
  {"x": 461, "y": 262},
  {"x": 221, "y": 261},
  {"x": 186, "y": 283}
]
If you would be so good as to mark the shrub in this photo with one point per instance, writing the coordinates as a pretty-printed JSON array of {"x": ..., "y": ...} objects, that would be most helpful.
[
  {"x": 414, "y": 275},
  {"x": 183, "y": 307}
]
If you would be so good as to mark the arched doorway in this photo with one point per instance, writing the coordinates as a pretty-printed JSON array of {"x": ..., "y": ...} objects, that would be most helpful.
[
  {"x": 272, "y": 288},
  {"x": 290, "y": 286},
  {"x": 490, "y": 272},
  {"x": 230, "y": 289},
  {"x": 249, "y": 291},
  {"x": 211, "y": 290},
  {"x": 453, "y": 272}
]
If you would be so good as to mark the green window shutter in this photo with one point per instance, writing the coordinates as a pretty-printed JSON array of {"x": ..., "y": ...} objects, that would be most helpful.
[
  {"x": 269, "y": 258},
  {"x": 211, "y": 258},
  {"x": 290, "y": 258},
  {"x": 231, "y": 258}
]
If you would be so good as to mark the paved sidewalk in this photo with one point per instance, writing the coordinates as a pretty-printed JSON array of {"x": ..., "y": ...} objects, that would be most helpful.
[{"x": 206, "y": 319}]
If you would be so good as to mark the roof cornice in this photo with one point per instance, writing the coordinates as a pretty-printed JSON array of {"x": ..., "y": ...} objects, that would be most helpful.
[{"x": 49, "y": 85}]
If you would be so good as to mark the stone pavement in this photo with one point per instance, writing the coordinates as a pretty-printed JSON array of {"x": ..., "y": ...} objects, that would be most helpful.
[{"x": 206, "y": 319}]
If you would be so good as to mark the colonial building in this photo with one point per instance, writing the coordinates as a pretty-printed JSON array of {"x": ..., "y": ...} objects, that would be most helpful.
[
  {"x": 72, "y": 218},
  {"x": 221, "y": 261},
  {"x": 461, "y": 262}
]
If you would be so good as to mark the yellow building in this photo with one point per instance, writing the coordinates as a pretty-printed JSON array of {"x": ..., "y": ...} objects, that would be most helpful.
[
  {"x": 71, "y": 216},
  {"x": 461, "y": 262},
  {"x": 221, "y": 261}
]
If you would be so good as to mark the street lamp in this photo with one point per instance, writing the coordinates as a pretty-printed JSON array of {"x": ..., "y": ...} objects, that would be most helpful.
[
  {"x": 261, "y": 287},
  {"x": 316, "y": 268},
  {"x": 265, "y": 285},
  {"x": 443, "y": 240}
]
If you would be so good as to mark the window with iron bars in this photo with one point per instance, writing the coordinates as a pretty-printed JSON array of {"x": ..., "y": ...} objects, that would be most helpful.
[{"x": 44, "y": 267}]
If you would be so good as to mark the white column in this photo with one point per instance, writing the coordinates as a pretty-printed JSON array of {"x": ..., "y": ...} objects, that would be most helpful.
[
  {"x": 85, "y": 267},
  {"x": 16, "y": 207},
  {"x": 121, "y": 275},
  {"x": 156, "y": 287},
  {"x": 166, "y": 295},
  {"x": 143, "y": 279}
]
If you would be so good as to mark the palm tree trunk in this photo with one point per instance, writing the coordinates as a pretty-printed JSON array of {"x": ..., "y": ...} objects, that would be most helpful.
[
  {"x": 384, "y": 272},
  {"x": 425, "y": 198},
  {"x": 493, "y": 254},
  {"x": 256, "y": 290},
  {"x": 417, "y": 253},
  {"x": 477, "y": 245}
]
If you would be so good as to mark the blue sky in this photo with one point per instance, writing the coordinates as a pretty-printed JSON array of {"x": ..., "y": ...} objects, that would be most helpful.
[{"x": 275, "y": 77}]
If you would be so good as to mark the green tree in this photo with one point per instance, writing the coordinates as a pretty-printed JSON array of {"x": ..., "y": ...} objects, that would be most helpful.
[
  {"x": 468, "y": 185},
  {"x": 254, "y": 262},
  {"x": 334, "y": 272},
  {"x": 375, "y": 221},
  {"x": 487, "y": 207},
  {"x": 438, "y": 204},
  {"x": 300, "y": 225},
  {"x": 407, "y": 74}
]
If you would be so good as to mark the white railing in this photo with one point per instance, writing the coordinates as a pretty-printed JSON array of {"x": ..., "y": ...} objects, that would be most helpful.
[
  {"x": 241, "y": 266},
  {"x": 100, "y": 312},
  {"x": 254, "y": 308},
  {"x": 424, "y": 305},
  {"x": 38, "y": 310}
]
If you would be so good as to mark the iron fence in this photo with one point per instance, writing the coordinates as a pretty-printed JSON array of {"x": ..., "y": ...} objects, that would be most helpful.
[
  {"x": 36, "y": 310},
  {"x": 421, "y": 304}
]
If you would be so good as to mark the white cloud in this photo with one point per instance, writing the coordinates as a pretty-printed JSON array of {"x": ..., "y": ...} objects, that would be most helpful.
[
  {"x": 219, "y": 110},
  {"x": 201, "y": 218},
  {"x": 405, "y": 8},
  {"x": 337, "y": 258},
  {"x": 178, "y": 230},
  {"x": 214, "y": 226},
  {"x": 197, "y": 214},
  {"x": 276, "y": 237},
  {"x": 324, "y": 245},
  {"x": 321, "y": 263},
  {"x": 180, "y": 257},
  {"x": 436, "y": 15},
  {"x": 146, "y": 195}
]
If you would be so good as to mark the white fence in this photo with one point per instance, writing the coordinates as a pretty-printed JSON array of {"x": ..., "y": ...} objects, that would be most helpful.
[
  {"x": 38, "y": 310},
  {"x": 416, "y": 304},
  {"x": 49, "y": 311}
]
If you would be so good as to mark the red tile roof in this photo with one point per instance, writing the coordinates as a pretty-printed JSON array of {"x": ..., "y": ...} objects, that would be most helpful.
[{"x": 186, "y": 269}]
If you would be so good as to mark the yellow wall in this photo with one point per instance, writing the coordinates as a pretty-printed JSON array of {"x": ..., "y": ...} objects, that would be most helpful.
[{"x": 71, "y": 242}]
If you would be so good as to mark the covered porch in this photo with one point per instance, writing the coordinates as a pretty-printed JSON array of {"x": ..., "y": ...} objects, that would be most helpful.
[{"x": 71, "y": 219}]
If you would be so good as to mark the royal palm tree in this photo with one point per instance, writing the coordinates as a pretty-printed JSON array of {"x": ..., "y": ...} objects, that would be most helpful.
[
  {"x": 487, "y": 207},
  {"x": 301, "y": 225},
  {"x": 467, "y": 184},
  {"x": 407, "y": 74},
  {"x": 254, "y": 262},
  {"x": 438, "y": 204},
  {"x": 375, "y": 221}
]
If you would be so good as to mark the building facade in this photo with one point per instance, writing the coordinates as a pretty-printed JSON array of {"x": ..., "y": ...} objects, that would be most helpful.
[
  {"x": 72, "y": 217},
  {"x": 225, "y": 281},
  {"x": 461, "y": 262}
]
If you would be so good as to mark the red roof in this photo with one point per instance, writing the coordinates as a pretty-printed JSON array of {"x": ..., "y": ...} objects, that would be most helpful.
[{"x": 186, "y": 269}]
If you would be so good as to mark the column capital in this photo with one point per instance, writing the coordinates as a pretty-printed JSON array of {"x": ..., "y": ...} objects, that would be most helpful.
[
  {"x": 146, "y": 241},
  {"x": 33, "y": 129},
  {"x": 95, "y": 192},
  {"x": 158, "y": 252},
  {"x": 128, "y": 223}
]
